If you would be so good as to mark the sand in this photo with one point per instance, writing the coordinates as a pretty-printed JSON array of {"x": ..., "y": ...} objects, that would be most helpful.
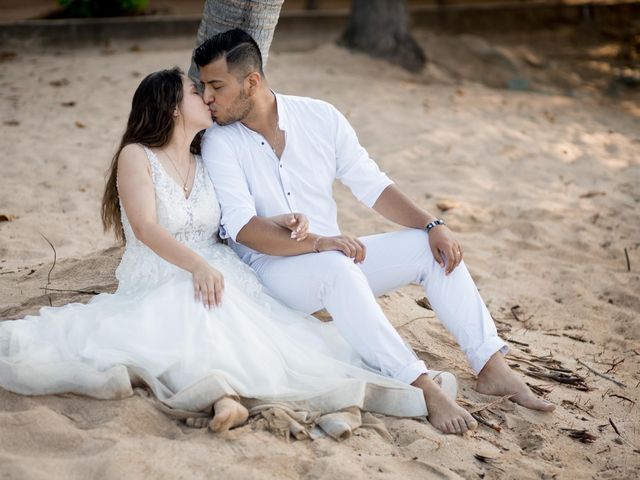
[{"x": 542, "y": 187}]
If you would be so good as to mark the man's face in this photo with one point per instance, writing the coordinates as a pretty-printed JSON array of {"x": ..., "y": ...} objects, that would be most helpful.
[{"x": 224, "y": 93}]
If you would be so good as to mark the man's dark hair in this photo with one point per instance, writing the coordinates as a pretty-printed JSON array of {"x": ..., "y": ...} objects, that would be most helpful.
[{"x": 237, "y": 46}]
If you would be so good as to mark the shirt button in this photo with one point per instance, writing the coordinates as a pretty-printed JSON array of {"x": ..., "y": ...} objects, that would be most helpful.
[
  {"x": 280, "y": 165},
  {"x": 288, "y": 193},
  {"x": 262, "y": 143}
]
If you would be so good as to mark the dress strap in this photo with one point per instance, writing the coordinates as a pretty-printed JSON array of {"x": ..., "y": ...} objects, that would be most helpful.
[{"x": 156, "y": 169}]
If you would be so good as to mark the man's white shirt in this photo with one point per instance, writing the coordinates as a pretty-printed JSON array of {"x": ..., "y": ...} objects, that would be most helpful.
[{"x": 320, "y": 146}]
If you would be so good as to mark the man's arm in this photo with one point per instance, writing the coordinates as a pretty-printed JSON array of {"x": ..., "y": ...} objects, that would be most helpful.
[
  {"x": 373, "y": 188},
  {"x": 266, "y": 236},
  {"x": 397, "y": 207}
]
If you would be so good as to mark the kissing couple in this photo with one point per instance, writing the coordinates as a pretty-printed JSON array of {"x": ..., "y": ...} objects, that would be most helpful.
[{"x": 224, "y": 329}]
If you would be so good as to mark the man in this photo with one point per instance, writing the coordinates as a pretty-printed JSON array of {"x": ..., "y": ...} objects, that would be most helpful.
[{"x": 271, "y": 154}]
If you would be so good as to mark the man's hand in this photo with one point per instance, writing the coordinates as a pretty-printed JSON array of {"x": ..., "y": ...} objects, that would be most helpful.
[
  {"x": 445, "y": 248},
  {"x": 351, "y": 246}
]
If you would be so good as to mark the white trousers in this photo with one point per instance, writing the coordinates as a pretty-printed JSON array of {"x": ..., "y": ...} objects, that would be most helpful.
[{"x": 331, "y": 280}]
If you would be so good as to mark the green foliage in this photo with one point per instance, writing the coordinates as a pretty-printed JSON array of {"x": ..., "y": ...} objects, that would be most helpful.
[{"x": 101, "y": 8}]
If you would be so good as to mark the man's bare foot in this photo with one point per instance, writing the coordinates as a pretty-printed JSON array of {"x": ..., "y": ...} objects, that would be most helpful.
[
  {"x": 497, "y": 378},
  {"x": 443, "y": 412},
  {"x": 228, "y": 413}
]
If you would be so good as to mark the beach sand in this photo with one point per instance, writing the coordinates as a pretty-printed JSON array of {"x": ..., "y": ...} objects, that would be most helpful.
[{"x": 541, "y": 185}]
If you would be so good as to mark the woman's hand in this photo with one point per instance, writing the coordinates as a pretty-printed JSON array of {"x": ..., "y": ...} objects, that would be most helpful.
[
  {"x": 208, "y": 284},
  {"x": 445, "y": 248},
  {"x": 298, "y": 223},
  {"x": 350, "y": 245}
]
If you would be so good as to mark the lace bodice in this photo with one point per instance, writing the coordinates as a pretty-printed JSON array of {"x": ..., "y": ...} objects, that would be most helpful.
[{"x": 193, "y": 221}]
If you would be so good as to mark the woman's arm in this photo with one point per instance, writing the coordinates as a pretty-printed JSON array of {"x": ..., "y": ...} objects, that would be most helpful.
[
  {"x": 298, "y": 223},
  {"x": 137, "y": 194}
]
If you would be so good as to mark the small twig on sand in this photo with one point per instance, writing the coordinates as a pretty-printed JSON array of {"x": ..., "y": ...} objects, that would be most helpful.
[
  {"x": 635, "y": 449},
  {"x": 486, "y": 423},
  {"x": 614, "y": 364},
  {"x": 55, "y": 258},
  {"x": 517, "y": 342},
  {"x": 626, "y": 255},
  {"x": 632, "y": 402},
  {"x": 491, "y": 404},
  {"x": 550, "y": 369},
  {"x": 513, "y": 312},
  {"x": 600, "y": 374},
  {"x": 614, "y": 427},
  {"x": 576, "y": 405},
  {"x": 582, "y": 435},
  {"x": 84, "y": 292},
  {"x": 540, "y": 389},
  {"x": 577, "y": 338}
]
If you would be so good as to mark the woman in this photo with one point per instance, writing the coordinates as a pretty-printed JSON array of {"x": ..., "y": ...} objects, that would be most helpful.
[{"x": 189, "y": 319}]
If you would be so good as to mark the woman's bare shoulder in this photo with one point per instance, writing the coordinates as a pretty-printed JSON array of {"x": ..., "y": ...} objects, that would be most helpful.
[{"x": 133, "y": 156}]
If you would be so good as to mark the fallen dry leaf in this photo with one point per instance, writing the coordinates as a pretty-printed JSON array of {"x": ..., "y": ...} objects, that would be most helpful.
[
  {"x": 59, "y": 83},
  {"x": 592, "y": 193},
  {"x": 6, "y": 56},
  {"x": 7, "y": 218},
  {"x": 80, "y": 124},
  {"x": 444, "y": 205},
  {"x": 424, "y": 303}
]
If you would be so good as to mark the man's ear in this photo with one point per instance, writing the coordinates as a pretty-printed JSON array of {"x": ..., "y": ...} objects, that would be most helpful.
[{"x": 253, "y": 82}]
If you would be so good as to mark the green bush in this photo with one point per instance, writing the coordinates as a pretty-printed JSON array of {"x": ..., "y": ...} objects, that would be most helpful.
[{"x": 101, "y": 8}]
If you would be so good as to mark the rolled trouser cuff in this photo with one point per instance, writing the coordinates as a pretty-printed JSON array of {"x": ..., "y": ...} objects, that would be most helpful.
[
  {"x": 411, "y": 372},
  {"x": 480, "y": 356}
]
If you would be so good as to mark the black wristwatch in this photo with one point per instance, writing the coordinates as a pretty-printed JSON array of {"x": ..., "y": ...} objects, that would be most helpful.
[{"x": 435, "y": 223}]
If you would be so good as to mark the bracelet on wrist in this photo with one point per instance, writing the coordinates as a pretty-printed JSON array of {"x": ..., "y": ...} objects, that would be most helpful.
[
  {"x": 435, "y": 223},
  {"x": 315, "y": 244}
]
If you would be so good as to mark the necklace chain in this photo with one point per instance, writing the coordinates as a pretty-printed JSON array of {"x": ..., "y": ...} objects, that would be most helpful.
[
  {"x": 184, "y": 181},
  {"x": 275, "y": 134}
]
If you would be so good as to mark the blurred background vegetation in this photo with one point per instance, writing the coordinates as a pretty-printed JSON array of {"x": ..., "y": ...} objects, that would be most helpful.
[
  {"x": 101, "y": 8},
  {"x": 29, "y": 9}
]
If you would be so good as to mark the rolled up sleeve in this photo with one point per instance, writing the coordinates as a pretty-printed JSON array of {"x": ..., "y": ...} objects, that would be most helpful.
[
  {"x": 236, "y": 202},
  {"x": 354, "y": 167}
]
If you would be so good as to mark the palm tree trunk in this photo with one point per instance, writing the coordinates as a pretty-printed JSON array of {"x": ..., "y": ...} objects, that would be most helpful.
[
  {"x": 381, "y": 29},
  {"x": 256, "y": 17}
]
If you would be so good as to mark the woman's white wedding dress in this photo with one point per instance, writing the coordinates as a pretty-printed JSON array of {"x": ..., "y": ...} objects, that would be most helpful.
[{"x": 153, "y": 332}]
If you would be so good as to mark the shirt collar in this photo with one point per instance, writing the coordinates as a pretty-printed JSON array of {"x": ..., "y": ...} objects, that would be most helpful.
[{"x": 282, "y": 111}]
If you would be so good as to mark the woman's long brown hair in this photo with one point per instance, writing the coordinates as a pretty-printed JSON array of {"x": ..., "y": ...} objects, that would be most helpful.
[{"x": 150, "y": 123}]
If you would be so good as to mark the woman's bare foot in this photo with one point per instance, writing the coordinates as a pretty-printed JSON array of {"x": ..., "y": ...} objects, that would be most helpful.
[
  {"x": 228, "y": 413},
  {"x": 497, "y": 378},
  {"x": 196, "y": 422},
  {"x": 443, "y": 412}
]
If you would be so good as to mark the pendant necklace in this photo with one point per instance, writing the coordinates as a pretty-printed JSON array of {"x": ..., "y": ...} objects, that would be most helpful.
[{"x": 184, "y": 181}]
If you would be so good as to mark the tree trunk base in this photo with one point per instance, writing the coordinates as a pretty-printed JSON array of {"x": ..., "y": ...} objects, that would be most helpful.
[{"x": 380, "y": 28}]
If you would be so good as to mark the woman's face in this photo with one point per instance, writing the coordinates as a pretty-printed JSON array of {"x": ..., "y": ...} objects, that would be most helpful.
[{"x": 195, "y": 112}]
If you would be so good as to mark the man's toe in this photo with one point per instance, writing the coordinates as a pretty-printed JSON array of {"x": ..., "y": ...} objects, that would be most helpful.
[{"x": 463, "y": 425}]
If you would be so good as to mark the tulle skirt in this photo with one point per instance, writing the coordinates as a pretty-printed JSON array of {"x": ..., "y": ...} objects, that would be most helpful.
[{"x": 251, "y": 346}]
